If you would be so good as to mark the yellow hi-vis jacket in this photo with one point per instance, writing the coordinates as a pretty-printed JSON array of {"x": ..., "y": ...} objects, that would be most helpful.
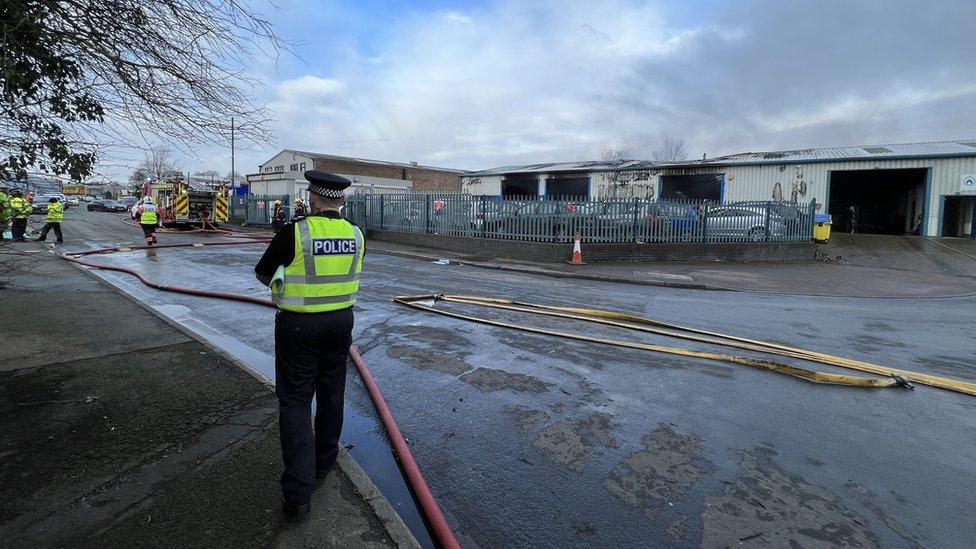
[
  {"x": 148, "y": 214},
  {"x": 324, "y": 276},
  {"x": 20, "y": 208},
  {"x": 55, "y": 212}
]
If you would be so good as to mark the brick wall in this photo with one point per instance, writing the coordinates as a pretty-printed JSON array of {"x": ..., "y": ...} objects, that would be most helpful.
[
  {"x": 424, "y": 179},
  {"x": 488, "y": 248}
]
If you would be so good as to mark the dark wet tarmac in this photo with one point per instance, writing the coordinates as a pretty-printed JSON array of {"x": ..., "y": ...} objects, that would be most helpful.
[{"x": 529, "y": 440}]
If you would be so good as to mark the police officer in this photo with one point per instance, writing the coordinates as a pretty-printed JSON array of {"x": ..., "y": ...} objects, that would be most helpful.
[
  {"x": 20, "y": 210},
  {"x": 55, "y": 214},
  {"x": 321, "y": 257}
]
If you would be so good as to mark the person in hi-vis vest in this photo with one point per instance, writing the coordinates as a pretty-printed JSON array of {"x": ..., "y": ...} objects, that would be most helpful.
[
  {"x": 148, "y": 216},
  {"x": 55, "y": 215},
  {"x": 312, "y": 267}
]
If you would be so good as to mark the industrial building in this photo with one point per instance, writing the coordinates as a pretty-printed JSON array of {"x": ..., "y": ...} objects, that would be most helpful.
[
  {"x": 283, "y": 174},
  {"x": 911, "y": 188}
]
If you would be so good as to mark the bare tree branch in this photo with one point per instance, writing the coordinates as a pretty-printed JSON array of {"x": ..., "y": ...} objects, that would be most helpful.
[
  {"x": 78, "y": 77},
  {"x": 671, "y": 150}
]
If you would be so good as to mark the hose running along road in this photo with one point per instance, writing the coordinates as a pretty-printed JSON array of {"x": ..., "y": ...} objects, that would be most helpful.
[
  {"x": 440, "y": 529},
  {"x": 893, "y": 377}
]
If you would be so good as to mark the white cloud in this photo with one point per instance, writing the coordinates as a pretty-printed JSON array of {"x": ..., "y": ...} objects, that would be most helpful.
[{"x": 559, "y": 80}]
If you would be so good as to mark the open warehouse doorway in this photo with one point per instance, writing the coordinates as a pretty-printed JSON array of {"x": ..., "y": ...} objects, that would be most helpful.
[
  {"x": 877, "y": 201},
  {"x": 959, "y": 216}
]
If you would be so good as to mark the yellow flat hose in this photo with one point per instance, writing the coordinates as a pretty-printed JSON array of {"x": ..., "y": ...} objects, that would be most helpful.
[
  {"x": 623, "y": 320},
  {"x": 802, "y": 373}
]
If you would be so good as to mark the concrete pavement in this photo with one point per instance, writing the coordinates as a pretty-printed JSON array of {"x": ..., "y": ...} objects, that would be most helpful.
[{"x": 120, "y": 430}]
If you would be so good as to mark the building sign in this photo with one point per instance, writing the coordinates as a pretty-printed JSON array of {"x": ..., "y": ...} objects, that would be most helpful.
[{"x": 967, "y": 184}]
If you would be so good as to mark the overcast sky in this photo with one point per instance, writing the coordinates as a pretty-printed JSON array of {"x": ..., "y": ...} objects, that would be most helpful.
[{"x": 476, "y": 85}]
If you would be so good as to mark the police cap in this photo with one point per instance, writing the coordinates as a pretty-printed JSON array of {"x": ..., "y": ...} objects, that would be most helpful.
[{"x": 326, "y": 184}]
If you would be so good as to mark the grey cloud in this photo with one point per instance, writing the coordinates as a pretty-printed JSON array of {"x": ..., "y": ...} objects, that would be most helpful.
[{"x": 509, "y": 83}]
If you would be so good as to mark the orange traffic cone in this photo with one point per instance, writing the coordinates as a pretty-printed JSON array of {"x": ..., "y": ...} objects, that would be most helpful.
[{"x": 577, "y": 252}]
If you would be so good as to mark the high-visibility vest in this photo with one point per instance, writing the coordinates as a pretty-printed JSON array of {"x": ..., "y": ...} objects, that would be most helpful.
[
  {"x": 324, "y": 276},
  {"x": 55, "y": 212},
  {"x": 4, "y": 206},
  {"x": 20, "y": 208},
  {"x": 148, "y": 216}
]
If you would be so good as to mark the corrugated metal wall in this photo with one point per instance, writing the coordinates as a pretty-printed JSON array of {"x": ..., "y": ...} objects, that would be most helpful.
[{"x": 759, "y": 182}]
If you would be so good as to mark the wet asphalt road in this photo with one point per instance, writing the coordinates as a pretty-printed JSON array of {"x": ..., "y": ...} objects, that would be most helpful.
[{"x": 529, "y": 440}]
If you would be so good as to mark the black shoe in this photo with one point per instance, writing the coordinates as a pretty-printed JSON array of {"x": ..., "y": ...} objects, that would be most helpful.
[
  {"x": 323, "y": 471},
  {"x": 295, "y": 513}
]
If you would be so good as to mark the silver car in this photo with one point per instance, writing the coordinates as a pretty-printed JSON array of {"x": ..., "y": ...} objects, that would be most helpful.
[{"x": 732, "y": 223}]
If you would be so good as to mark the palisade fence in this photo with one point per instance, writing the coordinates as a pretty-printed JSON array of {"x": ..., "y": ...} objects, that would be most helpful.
[
  {"x": 559, "y": 218},
  {"x": 256, "y": 209}
]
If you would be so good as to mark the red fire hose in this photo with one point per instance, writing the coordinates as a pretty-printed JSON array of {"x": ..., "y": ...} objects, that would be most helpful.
[{"x": 441, "y": 531}]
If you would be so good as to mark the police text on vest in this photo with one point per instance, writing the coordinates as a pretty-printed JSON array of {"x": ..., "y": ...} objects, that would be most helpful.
[{"x": 333, "y": 246}]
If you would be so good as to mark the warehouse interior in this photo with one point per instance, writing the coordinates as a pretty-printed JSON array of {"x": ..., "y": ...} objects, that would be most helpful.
[
  {"x": 883, "y": 201},
  {"x": 696, "y": 187},
  {"x": 527, "y": 185},
  {"x": 568, "y": 184},
  {"x": 958, "y": 215}
]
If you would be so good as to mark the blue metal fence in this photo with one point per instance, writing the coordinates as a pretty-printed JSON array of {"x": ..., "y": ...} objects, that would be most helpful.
[
  {"x": 559, "y": 218},
  {"x": 256, "y": 209}
]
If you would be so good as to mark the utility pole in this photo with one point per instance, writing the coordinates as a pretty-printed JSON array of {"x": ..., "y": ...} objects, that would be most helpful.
[{"x": 233, "y": 180}]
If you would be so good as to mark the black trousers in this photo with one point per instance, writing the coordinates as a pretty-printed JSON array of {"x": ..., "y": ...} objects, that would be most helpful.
[
  {"x": 18, "y": 228},
  {"x": 149, "y": 231},
  {"x": 57, "y": 232},
  {"x": 311, "y": 350}
]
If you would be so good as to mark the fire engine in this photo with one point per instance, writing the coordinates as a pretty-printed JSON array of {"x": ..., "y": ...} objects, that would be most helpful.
[{"x": 185, "y": 203}]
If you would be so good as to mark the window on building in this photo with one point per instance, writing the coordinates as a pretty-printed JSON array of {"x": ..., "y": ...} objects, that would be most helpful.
[
  {"x": 293, "y": 168},
  {"x": 279, "y": 168},
  {"x": 301, "y": 167},
  {"x": 267, "y": 170}
]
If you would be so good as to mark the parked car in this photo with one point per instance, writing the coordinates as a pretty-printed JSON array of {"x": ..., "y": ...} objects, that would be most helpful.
[
  {"x": 71, "y": 201},
  {"x": 41, "y": 202},
  {"x": 133, "y": 208},
  {"x": 130, "y": 203},
  {"x": 737, "y": 222},
  {"x": 106, "y": 206}
]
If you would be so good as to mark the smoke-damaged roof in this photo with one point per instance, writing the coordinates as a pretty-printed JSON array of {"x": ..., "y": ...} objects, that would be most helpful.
[
  {"x": 935, "y": 149},
  {"x": 583, "y": 166}
]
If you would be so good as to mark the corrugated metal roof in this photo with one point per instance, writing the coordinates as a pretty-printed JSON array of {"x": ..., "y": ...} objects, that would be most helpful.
[
  {"x": 826, "y": 154},
  {"x": 368, "y": 161},
  {"x": 861, "y": 152},
  {"x": 583, "y": 166}
]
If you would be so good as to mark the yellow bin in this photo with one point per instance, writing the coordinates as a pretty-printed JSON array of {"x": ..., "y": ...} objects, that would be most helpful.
[{"x": 821, "y": 227}]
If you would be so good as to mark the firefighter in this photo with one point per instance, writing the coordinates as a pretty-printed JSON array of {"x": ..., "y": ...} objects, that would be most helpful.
[
  {"x": 300, "y": 209},
  {"x": 55, "y": 214},
  {"x": 20, "y": 210},
  {"x": 148, "y": 216},
  {"x": 278, "y": 216},
  {"x": 4, "y": 210},
  {"x": 313, "y": 268}
]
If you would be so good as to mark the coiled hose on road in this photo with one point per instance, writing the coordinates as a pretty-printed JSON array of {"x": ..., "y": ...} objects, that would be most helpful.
[
  {"x": 440, "y": 530},
  {"x": 894, "y": 377}
]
